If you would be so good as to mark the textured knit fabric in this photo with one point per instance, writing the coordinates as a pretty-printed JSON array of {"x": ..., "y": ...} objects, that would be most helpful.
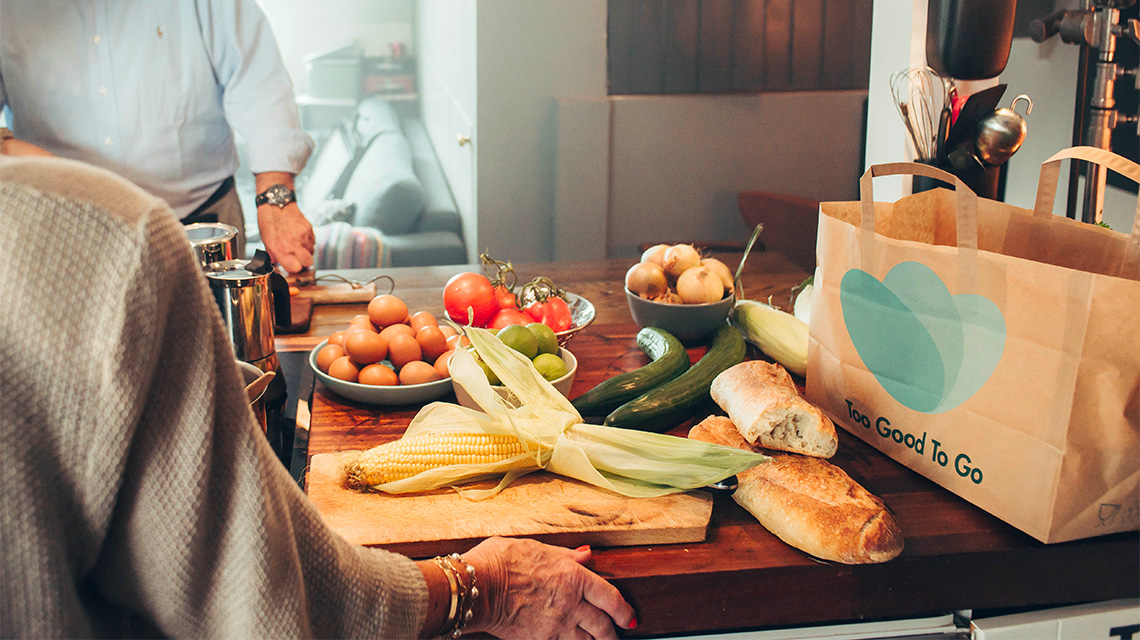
[{"x": 137, "y": 494}]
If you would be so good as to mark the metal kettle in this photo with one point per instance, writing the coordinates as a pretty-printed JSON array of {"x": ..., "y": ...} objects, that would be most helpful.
[
  {"x": 1001, "y": 133},
  {"x": 250, "y": 294}
]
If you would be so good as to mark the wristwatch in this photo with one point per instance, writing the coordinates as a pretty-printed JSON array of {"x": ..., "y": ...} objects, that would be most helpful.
[{"x": 279, "y": 195}]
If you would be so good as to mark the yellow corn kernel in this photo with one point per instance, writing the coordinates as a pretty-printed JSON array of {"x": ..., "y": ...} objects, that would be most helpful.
[{"x": 407, "y": 457}]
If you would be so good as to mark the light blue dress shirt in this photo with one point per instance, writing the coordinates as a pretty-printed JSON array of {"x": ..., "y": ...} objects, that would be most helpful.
[{"x": 150, "y": 90}]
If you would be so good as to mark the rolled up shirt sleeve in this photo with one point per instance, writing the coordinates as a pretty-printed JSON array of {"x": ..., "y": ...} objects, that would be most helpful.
[{"x": 257, "y": 92}]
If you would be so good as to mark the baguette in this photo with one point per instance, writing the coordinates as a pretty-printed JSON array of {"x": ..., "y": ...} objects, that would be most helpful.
[
  {"x": 810, "y": 503},
  {"x": 763, "y": 402}
]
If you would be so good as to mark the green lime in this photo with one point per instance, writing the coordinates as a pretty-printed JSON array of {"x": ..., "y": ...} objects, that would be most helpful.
[
  {"x": 547, "y": 341},
  {"x": 519, "y": 338},
  {"x": 550, "y": 366},
  {"x": 491, "y": 377}
]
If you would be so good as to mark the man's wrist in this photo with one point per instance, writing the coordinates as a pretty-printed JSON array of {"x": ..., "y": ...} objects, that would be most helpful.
[
  {"x": 278, "y": 195},
  {"x": 5, "y": 135}
]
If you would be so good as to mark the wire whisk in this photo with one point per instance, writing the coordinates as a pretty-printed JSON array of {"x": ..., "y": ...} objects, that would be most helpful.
[{"x": 923, "y": 100}]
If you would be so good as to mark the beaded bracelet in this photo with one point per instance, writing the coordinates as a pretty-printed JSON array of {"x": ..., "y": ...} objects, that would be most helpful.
[{"x": 463, "y": 593}]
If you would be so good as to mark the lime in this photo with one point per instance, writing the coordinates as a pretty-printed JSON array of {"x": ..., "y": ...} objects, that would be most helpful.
[
  {"x": 547, "y": 341},
  {"x": 519, "y": 338},
  {"x": 491, "y": 377},
  {"x": 550, "y": 366}
]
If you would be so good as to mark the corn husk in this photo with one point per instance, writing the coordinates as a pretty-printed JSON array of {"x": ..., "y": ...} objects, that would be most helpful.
[
  {"x": 633, "y": 463},
  {"x": 779, "y": 334}
]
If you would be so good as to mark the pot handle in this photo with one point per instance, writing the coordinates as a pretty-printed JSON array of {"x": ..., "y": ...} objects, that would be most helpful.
[{"x": 282, "y": 305}]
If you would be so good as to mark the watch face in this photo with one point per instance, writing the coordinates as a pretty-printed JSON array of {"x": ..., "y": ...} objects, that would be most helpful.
[{"x": 279, "y": 195}]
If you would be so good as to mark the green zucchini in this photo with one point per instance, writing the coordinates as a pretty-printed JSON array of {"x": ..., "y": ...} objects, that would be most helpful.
[
  {"x": 669, "y": 361},
  {"x": 667, "y": 405}
]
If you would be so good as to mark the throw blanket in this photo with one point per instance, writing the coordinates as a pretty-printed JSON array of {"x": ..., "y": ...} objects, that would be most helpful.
[{"x": 343, "y": 246}]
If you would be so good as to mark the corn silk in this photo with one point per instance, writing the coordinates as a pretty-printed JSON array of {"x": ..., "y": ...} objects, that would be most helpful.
[{"x": 632, "y": 463}]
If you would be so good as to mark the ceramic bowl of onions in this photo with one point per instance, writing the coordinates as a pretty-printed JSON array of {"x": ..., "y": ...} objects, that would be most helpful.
[{"x": 675, "y": 288}]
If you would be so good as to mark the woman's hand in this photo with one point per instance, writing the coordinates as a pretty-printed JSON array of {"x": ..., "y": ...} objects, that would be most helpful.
[{"x": 533, "y": 590}]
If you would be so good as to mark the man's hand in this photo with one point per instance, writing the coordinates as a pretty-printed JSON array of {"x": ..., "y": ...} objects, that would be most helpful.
[{"x": 286, "y": 233}]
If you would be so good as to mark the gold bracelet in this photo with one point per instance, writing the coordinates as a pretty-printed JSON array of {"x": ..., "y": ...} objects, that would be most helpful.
[{"x": 464, "y": 592}]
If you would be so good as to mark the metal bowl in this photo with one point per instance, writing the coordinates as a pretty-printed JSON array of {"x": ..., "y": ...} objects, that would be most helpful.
[{"x": 582, "y": 313}]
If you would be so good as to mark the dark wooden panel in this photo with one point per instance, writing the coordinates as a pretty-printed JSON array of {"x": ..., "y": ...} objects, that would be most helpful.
[
  {"x": 777, "y": 45},
  {"x": 807, "y": 43},
  {"x": 837, "y": 49},
  {"x": 647, "y": 58},
  {"x": 619, "y": 44},
  {"x": 682, "y": 31},
  {"x": 748, "y": 45},
  {"x": 705, "y": 46},
  {"x": 714, "y": 55}
]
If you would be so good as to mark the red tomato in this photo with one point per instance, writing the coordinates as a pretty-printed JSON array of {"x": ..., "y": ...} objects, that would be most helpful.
[
  {"x": 470, "y": 291},
  {"x": 509, "y": 316},
  {"x": 506, "y": 297},
  {"x": 553, "y": 312}
]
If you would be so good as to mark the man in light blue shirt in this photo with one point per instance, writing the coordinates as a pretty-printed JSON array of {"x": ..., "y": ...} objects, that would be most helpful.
[{"x": 154, "y": 90}]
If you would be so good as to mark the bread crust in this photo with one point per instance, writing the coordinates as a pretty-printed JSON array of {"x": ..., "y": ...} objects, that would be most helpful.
[
  {"x": 810, "y": 503},
  {"x": 763, "y": 402}
]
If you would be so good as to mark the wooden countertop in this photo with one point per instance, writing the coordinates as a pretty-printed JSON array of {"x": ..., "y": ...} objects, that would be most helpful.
[{"x": 742, "y": 577}]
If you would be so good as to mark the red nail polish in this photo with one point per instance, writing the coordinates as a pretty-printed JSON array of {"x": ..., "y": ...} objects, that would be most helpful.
[
  {"x": 633, "y": 623},
  {"x": 584, "y": 547}
]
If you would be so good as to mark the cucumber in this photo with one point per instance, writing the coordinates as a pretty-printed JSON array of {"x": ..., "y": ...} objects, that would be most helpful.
[
  {"x": 669, "y": 361},
  {"x": 667, "y": 405}
]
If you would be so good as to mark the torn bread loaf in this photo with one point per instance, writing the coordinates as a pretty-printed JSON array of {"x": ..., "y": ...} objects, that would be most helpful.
[
  {"x": 810, "y": 503},
  {"x": 763, "y": 402}
]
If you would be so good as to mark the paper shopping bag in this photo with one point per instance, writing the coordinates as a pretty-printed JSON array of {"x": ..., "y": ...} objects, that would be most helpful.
[{"x": 993, "y": 349}]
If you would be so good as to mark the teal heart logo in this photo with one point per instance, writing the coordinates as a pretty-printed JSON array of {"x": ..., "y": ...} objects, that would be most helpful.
[{"x": 927, "y": 348}]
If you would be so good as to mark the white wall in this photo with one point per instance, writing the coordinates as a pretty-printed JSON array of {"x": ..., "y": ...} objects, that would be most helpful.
[{"x": 302, "y": 27}]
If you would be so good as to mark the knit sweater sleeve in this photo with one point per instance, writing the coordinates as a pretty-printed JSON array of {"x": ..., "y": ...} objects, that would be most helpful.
[{"x": 187, "y": 518}]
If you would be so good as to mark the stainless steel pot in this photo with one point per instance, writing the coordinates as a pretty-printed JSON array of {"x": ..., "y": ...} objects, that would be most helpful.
[
  {"x": 250, "y": 294},
  {"x": 212, "y": 242}
]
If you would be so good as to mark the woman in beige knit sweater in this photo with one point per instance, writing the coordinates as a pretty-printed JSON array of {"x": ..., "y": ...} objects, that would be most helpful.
[{"x": 137, "y": 494}]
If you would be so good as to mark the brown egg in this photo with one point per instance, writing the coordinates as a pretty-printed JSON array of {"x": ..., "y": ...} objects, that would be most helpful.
[
  {"x": 365, "y": 347},
  {"x": 421, "y": 319},
  {"x": 357, "y": 324},
  {"x": 458, "y": 340},
  {"x": 392, "y": 329},
  {"x": 432, "y": 343},
  {"x": 343, "y": 369},
  {"x": 327, "y": 354},
  {"x": 337, "y": 338},
  {"x": 418, "y": 372},
  {"x": 448, "y": 330},
  {"x": 403, "y": 349},
  {"x": 380, "y": 375},
  {"x": 387, "y": 309},
  {"x": 443, "y": 363}
]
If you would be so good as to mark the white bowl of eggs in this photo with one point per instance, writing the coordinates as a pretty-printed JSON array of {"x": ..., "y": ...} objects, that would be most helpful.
[{"x": 387, "y": 356}]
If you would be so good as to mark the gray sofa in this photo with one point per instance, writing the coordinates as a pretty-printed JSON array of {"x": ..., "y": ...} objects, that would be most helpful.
[{"x": 377, "y": 196}]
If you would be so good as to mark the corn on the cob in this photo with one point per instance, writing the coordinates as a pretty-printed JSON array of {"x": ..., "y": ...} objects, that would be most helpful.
[{"x": 407, "y": 457}]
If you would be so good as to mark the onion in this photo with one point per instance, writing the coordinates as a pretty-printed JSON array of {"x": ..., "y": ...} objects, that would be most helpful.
[
  {"x": 699, "y": 285},
  {"x": 654, "y": 254},
  {"x": 679, "y": 258},
  {"x": 646, "y": 279},
  {"x": 721, "y": 269}
]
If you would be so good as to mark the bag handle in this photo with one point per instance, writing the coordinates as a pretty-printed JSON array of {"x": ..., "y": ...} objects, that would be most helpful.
[
  {"x": 1051, "y": 171},
  {"x": 965, "y": 199}
]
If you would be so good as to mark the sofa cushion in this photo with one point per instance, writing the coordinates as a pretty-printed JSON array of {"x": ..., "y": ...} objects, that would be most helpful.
[
  {"x": 384, "y": 186},
  {"x": 329, "y": 166}
]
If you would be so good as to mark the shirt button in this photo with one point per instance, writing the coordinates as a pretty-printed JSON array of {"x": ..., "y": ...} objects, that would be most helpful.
[
  {"x": 107, "y": 141},
  {"x": 96, "y": 39},
  {"x": 102, "y": 91}
]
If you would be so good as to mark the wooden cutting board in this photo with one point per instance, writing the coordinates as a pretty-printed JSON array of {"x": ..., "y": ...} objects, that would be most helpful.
[{"x": 540, "y": 505}]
